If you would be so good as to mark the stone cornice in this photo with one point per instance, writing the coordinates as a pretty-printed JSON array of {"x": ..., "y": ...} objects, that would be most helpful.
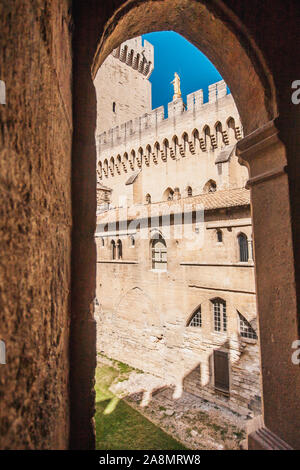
[
  {"x": 252, "y": 149},
  {"x": 261, "y": 438},
  {"x": 258, "y": 140}
]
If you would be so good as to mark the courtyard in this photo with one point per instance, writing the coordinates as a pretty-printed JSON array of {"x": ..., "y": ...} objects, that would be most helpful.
[{"x": 129, "y": 417}]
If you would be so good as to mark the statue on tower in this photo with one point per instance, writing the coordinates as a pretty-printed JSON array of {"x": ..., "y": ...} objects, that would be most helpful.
[{"x": 176, "y": 84}]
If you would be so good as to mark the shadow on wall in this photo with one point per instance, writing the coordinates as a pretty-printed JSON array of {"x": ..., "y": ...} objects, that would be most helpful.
[{"x": 217, "y": 384}]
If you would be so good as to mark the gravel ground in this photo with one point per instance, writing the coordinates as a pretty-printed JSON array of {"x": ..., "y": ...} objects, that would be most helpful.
[{"x": 196, "y": 423}]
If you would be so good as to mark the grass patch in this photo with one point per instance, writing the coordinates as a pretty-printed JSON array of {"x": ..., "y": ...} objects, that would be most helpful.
[{"x": 118, "y": 426}]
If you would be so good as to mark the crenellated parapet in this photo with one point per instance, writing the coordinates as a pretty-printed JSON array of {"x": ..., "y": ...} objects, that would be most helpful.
[
  {"x": 155, "y": 121},
  {"x": 136, "y": 54}
]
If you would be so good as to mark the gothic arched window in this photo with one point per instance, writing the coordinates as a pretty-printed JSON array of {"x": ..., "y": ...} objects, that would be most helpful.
[
  {"x": 231, "y": 129},
  {"x": 141, "y": 154},
  {"x": 166, "y": 147},
  {"x": 206, "y": 132},
  {"x": 185, "y": 140},
  {"x": 159, "y": 254},
  {"x": 220, "y": 315},
  {"x": 243, "y": 247},
  {"x": 105, "y": 167},
  {"x": 195, "y": 137},
  {"x": 148, "y": 148},
  {"x": 125, "y": 160},
  {"x": 157, "y": 148},
  {"x": 175, "y": 144},
  {"x": 168, "y": 194},
  {"x": 119, "y": 249},
  {"x": 100, "y": 170},
  {"x": 132, "y": 158},
  {"x": 210, "y": 187},
  {"x": 196, "y": 320},
  {"x": 148, "y": 198},
  {"x": 112, "y": 165},
  {"x": 113, "y": 249},
  {"x": 219, "y": 135}
]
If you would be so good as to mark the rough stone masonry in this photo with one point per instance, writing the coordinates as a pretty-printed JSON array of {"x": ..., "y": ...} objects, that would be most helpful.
[{"x": 181, "y": 309}]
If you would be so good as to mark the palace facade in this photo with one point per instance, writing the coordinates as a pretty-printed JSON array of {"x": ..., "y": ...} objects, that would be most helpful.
[{"x": 175, "y": 266}]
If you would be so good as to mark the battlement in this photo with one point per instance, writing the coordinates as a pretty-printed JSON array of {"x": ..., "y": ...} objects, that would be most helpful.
[
  {"x": 156, "y": 118},
  {"x": 136, "y": 54}
]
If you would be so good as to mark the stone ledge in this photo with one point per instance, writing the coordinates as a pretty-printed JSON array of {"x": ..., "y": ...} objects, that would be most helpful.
[
  {"x": 261, "y": 438},
  {"x": 235, "y": 265},
  {"x": 117, "y": 261}
]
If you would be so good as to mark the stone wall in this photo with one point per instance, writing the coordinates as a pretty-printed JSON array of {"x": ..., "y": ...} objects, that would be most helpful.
[
  {"x": 143, "y": 320},
  {"x": 147, "y": 144},
  {"x": 231, "y": 36},
  {"x": 122, "y": 84},
  {"x": 143, "y": 313},
  {"x": 35, "y": 223}
]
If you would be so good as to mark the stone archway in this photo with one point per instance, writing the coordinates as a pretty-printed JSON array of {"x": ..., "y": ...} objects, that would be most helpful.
[{"x": 217, "y": 32}]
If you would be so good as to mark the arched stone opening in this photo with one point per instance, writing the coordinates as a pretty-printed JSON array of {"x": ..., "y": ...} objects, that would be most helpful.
[{"x": 217, "y": 33}]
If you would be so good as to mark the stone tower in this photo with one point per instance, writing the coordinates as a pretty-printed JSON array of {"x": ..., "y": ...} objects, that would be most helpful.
[{"x": 122, "y": 84}]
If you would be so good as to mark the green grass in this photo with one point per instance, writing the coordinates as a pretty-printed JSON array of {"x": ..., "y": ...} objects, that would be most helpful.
[{"x": 118, "y": 426}]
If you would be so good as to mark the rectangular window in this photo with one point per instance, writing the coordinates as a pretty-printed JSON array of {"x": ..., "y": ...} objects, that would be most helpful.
[
  {"x": 217, "y": 316},
  {"x": 220, "y": 316}
]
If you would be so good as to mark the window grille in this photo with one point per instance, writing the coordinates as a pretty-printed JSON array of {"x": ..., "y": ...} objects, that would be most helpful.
[
  {"x": 243, "y": 247},
  {"x": 196, "y": 320},
  {"x": 246, "y": 330},
  {"x": 220, "y": 316}
]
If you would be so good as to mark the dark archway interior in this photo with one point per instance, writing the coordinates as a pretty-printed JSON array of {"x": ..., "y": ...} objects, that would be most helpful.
[{"x": 211, "y": 26}]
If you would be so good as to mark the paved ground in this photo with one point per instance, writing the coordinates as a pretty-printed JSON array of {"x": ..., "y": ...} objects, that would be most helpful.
[{"x": 194, "y": 422}]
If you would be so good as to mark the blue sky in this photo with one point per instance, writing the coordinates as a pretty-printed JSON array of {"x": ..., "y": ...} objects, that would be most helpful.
[{"x": 173, "y": 53}]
